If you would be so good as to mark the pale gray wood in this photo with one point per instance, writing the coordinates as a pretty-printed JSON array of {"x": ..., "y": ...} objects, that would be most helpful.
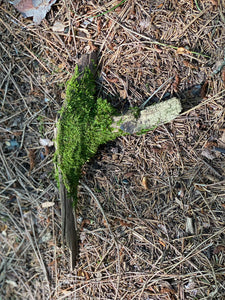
[{"x": 149, "y": 118}]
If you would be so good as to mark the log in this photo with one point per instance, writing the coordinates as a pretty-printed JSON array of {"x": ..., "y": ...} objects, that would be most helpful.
[
  {"x": 70, "y": 234},
  {"x": 82, "y": 118},
  {"x": 149, "y": 118}
]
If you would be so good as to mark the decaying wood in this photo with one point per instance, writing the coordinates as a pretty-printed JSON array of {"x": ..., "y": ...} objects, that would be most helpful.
[
  {"x": 69, "y": 224},
  {"x": 149, "y": 118}
]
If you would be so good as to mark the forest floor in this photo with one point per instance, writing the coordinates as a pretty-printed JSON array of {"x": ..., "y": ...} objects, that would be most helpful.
[{"x": 162, "y": 234}]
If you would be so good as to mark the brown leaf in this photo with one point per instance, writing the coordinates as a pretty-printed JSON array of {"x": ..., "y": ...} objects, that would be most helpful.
[
  {"x": 112, "y": 80},
  {"x": 99, "y": 26},
  {"x": 189, "y": 64},
  {"x": 223, "y": 75},
  {"x": 204, "y": 89},
  {"x": 145, "y": 182},
  {"x": 182, "y": 50},
  {"x": 3, "y": 227},
  {"x": 168, "y": 290},
  {"x": 31, "y": 156},
  {"x": 214, "y": 2},
  {"x": 218, "y": 249},
  {"x": 111, "y": 46},
  {"x": 176, "y": 83},
  {"x": 47, "y": 150},
  {"x": 123, "y": 94},
  {"x": 129, "y": 174},
  {"x": 85, "y": 222},
  {"x": 125, "y": 224},
  {"x": 92, "y": 46},
  {"x": 83, "y": 273}
]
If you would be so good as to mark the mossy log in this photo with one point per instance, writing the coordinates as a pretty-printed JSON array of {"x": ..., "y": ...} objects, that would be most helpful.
[
  {"x": 68, "y": 217},
  {"x": 84, "y": 124}
]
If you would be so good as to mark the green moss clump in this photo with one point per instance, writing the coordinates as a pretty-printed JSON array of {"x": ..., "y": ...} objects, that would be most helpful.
[{"x": 85, "y": 123}]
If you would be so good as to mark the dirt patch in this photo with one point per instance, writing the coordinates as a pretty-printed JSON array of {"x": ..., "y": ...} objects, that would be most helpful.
[{"x": 160, "y": 231}]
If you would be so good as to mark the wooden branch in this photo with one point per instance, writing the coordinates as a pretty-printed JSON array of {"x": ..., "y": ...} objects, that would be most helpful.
[
  {"x": 132, "y": 122},
  {"x": 68, "y": 214},
  {"x": 148, "y": 118}
]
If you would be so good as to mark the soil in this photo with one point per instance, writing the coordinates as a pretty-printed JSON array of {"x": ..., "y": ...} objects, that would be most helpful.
[{"x": 151, "y": 207}]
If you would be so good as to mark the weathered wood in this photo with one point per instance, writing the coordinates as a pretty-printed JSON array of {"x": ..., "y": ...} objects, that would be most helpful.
[
  {"x": 68, "y": 216},
  {"x": 148, "y": 118}
]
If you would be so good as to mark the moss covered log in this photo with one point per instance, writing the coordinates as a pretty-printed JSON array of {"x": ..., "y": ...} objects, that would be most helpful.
[{"x": 84, "y": 124}]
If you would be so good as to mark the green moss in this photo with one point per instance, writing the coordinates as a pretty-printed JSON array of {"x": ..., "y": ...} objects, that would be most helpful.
[{"x": 85, "y": 123}]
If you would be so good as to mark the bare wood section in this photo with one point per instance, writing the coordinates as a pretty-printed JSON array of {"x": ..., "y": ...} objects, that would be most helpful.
[{"x": 149, "y": 118}]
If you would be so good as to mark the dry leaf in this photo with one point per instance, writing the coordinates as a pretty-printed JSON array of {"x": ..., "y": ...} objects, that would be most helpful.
[
  {"x": 143, "y": 24},
  {"x": 46, "y": 142},
  {"x": 12, "y": 283},
  {"x": 61, "y": 66},
  {"x": 168, "y": 290},
  {"x": 34, "y": 8},
  {"x": 189, "y": 225},
  {"x": 145, "y": 182},
  {"x": 163, "y": 228},
  {"x": 92, "y": 46},
  {"x": 204, "y": 89},
  {"x": 223, "y": 75},
  {"x": 208, "y": 154},
  {"x": 214, "y": 2},
  {"x": 47, "y": 204},
  {"x": 124, "y": 223},
  {"x": 123, "y": 94},
  {"x": 47, "y": 150},
  {"x": 188, "y": 64},
  {"x": 3, "y": 228},
  {"x": 99, "y": 26},
  {"x": 218, "y": 249},
  {"x": 182, "y": 50},
  {"x": 176, "y": 83},
  {"x": 85, "y": 222},
  {"x": 113, "y": 80},
  {"x": 83, "y": 273},
  {"x": 58, "y": 26}
]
